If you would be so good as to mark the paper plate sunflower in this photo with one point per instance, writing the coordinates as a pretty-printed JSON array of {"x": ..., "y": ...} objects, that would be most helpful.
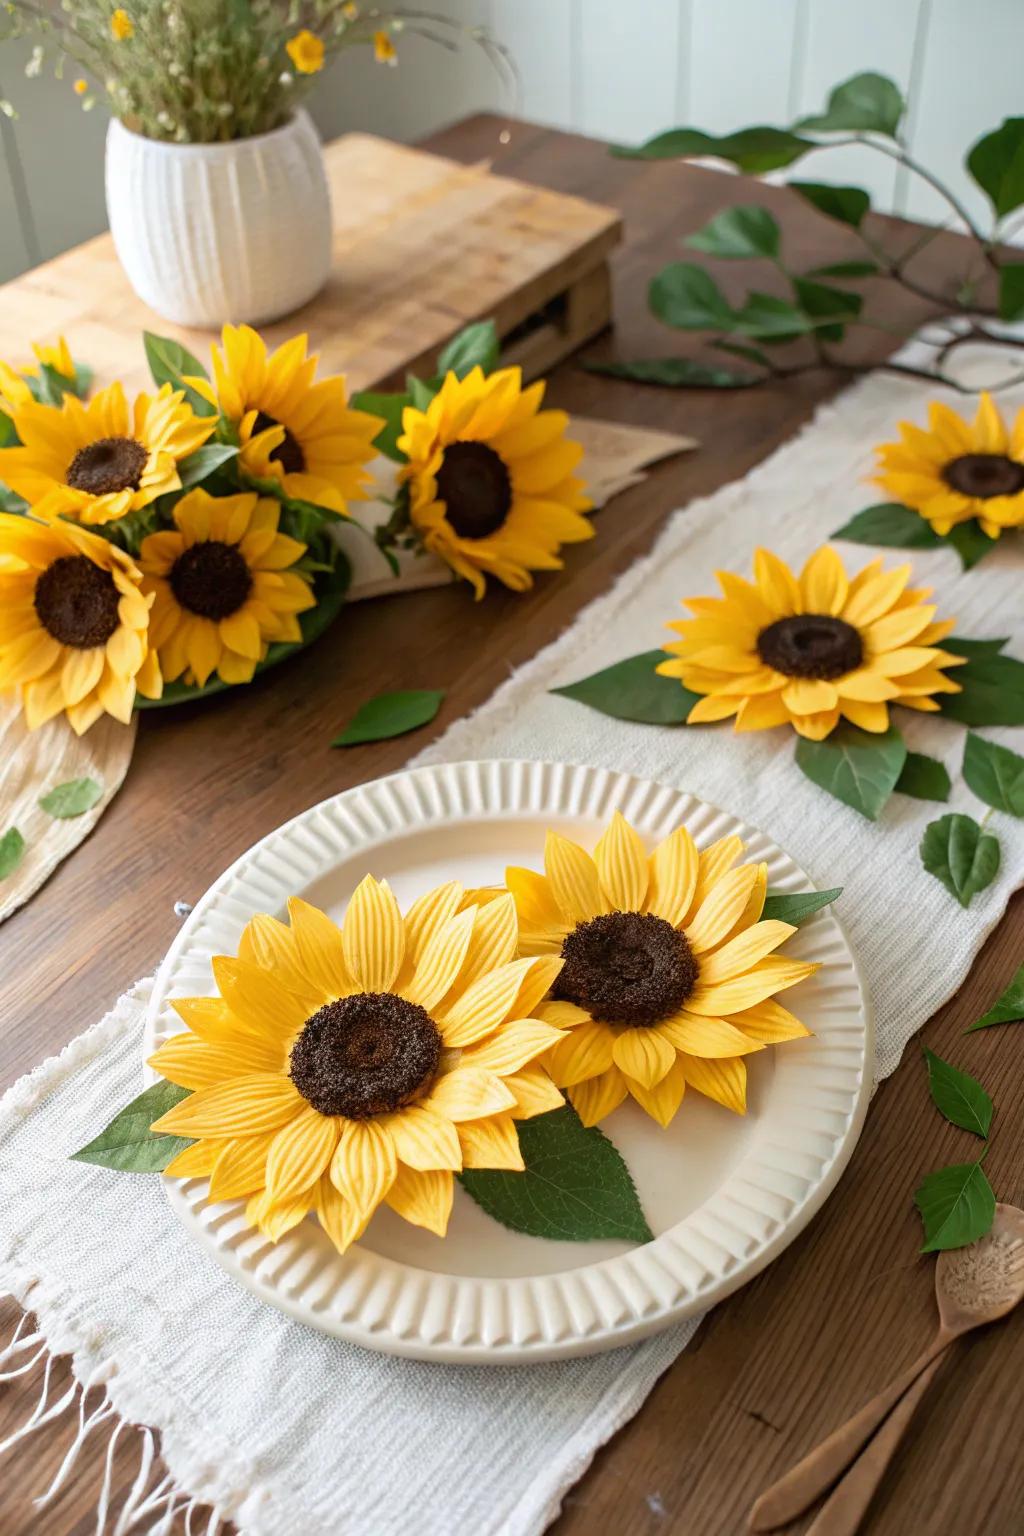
[
  {"x": 300, "y": 433},
  {"x": 221, "y": 587},
  {"x": 959, "y": 470},
  {"x": 342, "y": 1068},
  {"x": 101, "y": 459},
  {"x": 669, "y": 976},
  {"x": 807, "y": 650},
  {"x": 490, "y": 478},
  {"x": 73, "y": 624}
]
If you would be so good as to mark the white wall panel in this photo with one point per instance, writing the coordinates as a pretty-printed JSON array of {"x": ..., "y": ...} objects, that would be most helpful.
[
  {"x": 739, "y": 62},
  {"x": 16, "y": 243},
  {"x": 543, "y": 35},
  {"x": 630, "y": 58}
]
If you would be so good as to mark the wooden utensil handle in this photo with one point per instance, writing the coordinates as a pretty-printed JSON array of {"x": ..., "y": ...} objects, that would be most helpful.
[
  {"x": 849, "y": 1500},
  {"x": 812, "y": 1477}
]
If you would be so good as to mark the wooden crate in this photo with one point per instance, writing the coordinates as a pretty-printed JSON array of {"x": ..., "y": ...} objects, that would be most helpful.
[{"x": 422, "y": 246}]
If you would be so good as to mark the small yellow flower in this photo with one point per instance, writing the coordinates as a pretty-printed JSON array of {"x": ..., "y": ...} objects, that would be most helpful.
[
  {"x": 58, "y": 357},
  {"x": 121, "y": 26},
  {"x": 384, "y": 50},
  {"x": 350, "y": 10},
  {"x": 306, "y": 52},
  {"x": 81, "y": 86}
]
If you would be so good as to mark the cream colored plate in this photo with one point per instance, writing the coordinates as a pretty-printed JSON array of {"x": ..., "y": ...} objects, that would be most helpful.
[{"x": 724, "y": 1194}]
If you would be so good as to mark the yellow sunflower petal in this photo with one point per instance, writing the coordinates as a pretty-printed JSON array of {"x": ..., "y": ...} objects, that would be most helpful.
[
  {"x": 621, "y": 861},
  {"x": 321, "y": 949},
  {"x": 663, "y": 1100},
  {"x": 440, "y": 961},
  {"x": 595, "y": 1099},
  {"x": 241, "y": 1166},
  {"x": 697, "y": 1036},
  {"x": 342, "y": 1222},
  {"x": 275, "y": 1218},
  {"x": 535, "y": 986},
  {"x": 534, "y": 1092},
  {"x": 194, "y": 1063},
  {"x": 491, "y": 1143},
  {"x": 823, "y": 582},
  {"x": 428, "y": 915},
  {"x": 299, "y": 1154},
  {"x": 721, "y": 908},
  {"x": 744, "y": 951},
  {"x": 493, "y": 942},
  {"x": 673, "y": 877},
  {"x": 770, "y": 976},
  {"x": 642, "y": 1054},
  {"x": 195, "y": 1161},
  {"x": 584, "y": 1052},
  {"x": 536, "y": 905},
  {"x": 512, "y": 1046},
  {"x": 364, "y": 1165},
  {"x": 271, "y": 945},
  {"x": 258, "y": 998},
  {"x": 373, "y": 938},
  {"x": 723, "y": 1081},
  {"x": 423, "y": 1139},
  {"x": 573, "y": 878},
  {"x": 769, "y": 1023},
  {"x": 258, "y": 1102},
  {"x": 776, "y": 584},
  {"x": 469, "y": 1092},
  {"x": 423, "y": 1198},
  {"x": 484, "y": 1005}
]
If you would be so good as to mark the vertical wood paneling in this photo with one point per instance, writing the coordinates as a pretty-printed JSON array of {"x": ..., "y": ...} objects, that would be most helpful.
[
  {"x": 740, "y": 57},
  {"x": 628, "y": 67}
]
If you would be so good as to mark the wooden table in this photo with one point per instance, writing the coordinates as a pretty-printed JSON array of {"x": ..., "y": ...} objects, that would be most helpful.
[{"x": 778, "y": 1365}]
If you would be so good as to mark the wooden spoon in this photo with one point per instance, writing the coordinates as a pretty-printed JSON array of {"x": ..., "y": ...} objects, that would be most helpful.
[{"x": 973, "y": 1285}]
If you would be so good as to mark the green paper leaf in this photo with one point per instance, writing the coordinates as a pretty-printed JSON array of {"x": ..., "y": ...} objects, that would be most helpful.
[
  {"x": 390, "y": 408},
  {"x": 970, "y": 541},
  {"x": 420, "y": 393},
  {"x": 858, "y": 767},
  {"x": 821, "y": 302},
  {"x": 956, "y": 851},
  {"x": 676, "y": 373},
  {"x": 891, "y": 525},
  {"x": 771, "y": 320},
  {"x": 866, "y": 103},
  {"x": 974, "y": 648},
  {"x": 1008, "y": 1007},
  {"x": 958, "y": 1096},
  {"x": 847, "y": 204},
  {"x": 995, "y": 774},
  {"x": 754, "y": 150},
  {"x": 633, "y": 690},
  {"x": 738, "y": 232},
  {"x": 12, "y": 851},
  {"x": 845, "y": 269},
  {"x": 73, "y": 798},
  {"x": 475, "y": 347},
  {"x": 997, "y": 164},
  {"x": 991, "y": 688},
  {"x": 8, "y": 436},
  {"x": 128, "y": 1144},
  {"x": 751, "y": 354},
  {"x": 49, "y": 385},
  {"x": 923, "y": 778},
  {"x": 957, "y": 1206},
  {"x": 1011, "y": 291},
  {"x": 799, "y": 906},
  {"x": 687, "y": 297},
  {"x": 391, "y": 714},
  {"x": 576, "y": 1186},
  {"x": 169, "y": 362},
  {"x": 200, "y": 465}
]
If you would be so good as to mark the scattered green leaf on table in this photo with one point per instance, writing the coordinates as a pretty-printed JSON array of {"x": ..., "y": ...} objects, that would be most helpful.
[
  {"x": 738, "y": 232},
  {"x": 924, "y": 778},
  {"x": 956, "y": 851},
  {"x": 847, "y": 204},
  {"x": 576, "y": 1186},
  {"x": 633, "y": 690},
  {"x": 12, "y": 851},
  {"x": 1008, "y": 1007},
  {"x": 991, "y": 687},
  {"x": 675, "y": 373},
  {"x": 970, "y": 541},
  {"x": 754, "y": 150},
  {"x": 891, "y": 525},
  {"x": 73, "y": 798},
  {"x": 391, "y": 714},
  {"x": 798, "y": 906},
  {"x": 476, "y": 346},
  {"x": 1011, "y": 291},
  {"x": 389, "y": 408},
  {"x": 767, "y": 318},
  {"x": 975, "y": 648},
  {"x": 867, "y": 102},
  {"x": 844, "y": 268},
  {"x": 128, "y": 1144},
  {"x": 171, "y": 363},
  {"x": 957, "y": 1206},
  {"x": 687, "y": 297},
  {"x": 861, "y": 768},
  {"x": 995, "y": 774},
  {"x": 420, "y": 393},
  {"x": 958, "y": 1096},
  {"x": 997, "y": 164},
  {"x": 200, "y": 465}
]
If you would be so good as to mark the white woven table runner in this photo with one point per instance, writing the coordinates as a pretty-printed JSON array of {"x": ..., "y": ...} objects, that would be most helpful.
[{"x": 292, "y": 1434}]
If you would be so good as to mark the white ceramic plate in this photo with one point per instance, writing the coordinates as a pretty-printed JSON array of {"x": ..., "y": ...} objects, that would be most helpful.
[{"x": 725, "y": 1194}]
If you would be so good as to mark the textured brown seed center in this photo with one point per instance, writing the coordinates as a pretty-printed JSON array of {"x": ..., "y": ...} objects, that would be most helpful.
[
  {"x": 288, "y": 453},
  {"x": 76, "y": 602},
  {"x": 211, "y": 579},
  {"x": 110, "y": 464},
  {"x": 476, "y": 488},
  {"x": 626, "y": 968},
  {"x": 365, "y": 1055},
  {"x": 811, "y": 645},
  {"x": 982, "y": 475}
]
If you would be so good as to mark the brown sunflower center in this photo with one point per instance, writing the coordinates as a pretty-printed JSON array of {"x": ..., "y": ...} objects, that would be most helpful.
[
  {"x": 76, "y": 602},
  {"x": 365, "y": 1055},
  {"x": 813, "y": 645},
  {"x": 476, "y": 488},
  {"x": 626, "y": 968},
  {"x": 211, "y": 578},
  {"x": 288, "y": 452},
  {"x": 982, "y": 475},
  {"x": 107, "y": 465}
]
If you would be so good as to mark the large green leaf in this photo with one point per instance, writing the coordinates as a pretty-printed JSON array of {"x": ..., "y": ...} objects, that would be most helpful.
[
  {"x": 957, "y": 1206},
  {"x": 575, "y": 1188},
  {"x": 477, "y": 346},
  {"x": 821, "y": 302},
  {"x": 997, "y": 164},
  {"x": 923, "y": 778},
  {"x": 72, "y": 798},
  {"x": 676, "y": 373},
  {"x": 995, "y": 774},
  {"x": 1011, "y": 291},
  {"x": 170, "y": 362},
  {"x": 956, "y": 851},
  {"x": 866, "y": 103},
  {"x": 847, "y": 204},
  {"x": 860, "y": 768},
  {"x": 764, "y": 317},
  {"x": 754, "y": 150},
  {"x": 128, "y": 1144},
  {"x": 687, "y": 297},
  {"x": 742, "y": 231},
  {"x": 389, "y": 715},
  {"x": 199, "y": 466},
  {"x": 845, "y": 269},
  {"x": 633, "y": 690},
  {"x": 389, "y": 408},
  {"x": 991, "y": 688},
  {"x": 1008, "y": 1007},
  {"x": 799, "y": 906},
  {"x": 970, "y": 541},
  {"x": 958, "y": 1096},
  {"x": 12, "y": 851},
  {"x": 890, "y": 524}
]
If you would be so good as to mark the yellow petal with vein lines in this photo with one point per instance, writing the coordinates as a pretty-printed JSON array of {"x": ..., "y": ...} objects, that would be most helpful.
[
  {"x": 561, "y": 1014},
  {"x": 194, "y": 1063},
  {"x": 491, "y": 1144},
  {"x": 876, "y": 596},
  {"x": 260, "y": 1102},
  {"x": 535, "y": 986},
  {"x": 494, "y": 939},
  {"x": 257, "y": 998},
  {"x": 823, "y": 582},
  {"x": 770, "y": 976},
  {"x": 194, "y": 1162},
  {"x": 320, "y": 948},
  {"x": 241, "y": 1167},
  {"x": 744, "y": 951},
  {"x": 621, "y": 861},
  {"x": 484, "y": 1005},
  {"x": 299, "y": 1154},
  {"x": 423, "y": 1139},
  {"x": 534, "y": 1091},
  {"x": 673, "y": 877},
  {"x": 428, "y": 915},
  {"x": 574, "y": 880},
  {"x": 584, "y": 1052},
  {"x": 275, "y": 1218},
  {"x": 372, "y": 936},
  {"x": 712, "y": 865},
  {"x": 364, "y": 1165},
  {"x": 723, "y": 1081},
  {"x": 705, "y": 1037},
  {"x": 271, "y": 945},
  {"x": 776, "y": 584},
  {"x": 721, "y": 909},
  {"x": 535, "y": 901},
  {"x": 770, "y": 1023},
  {"x": 208, "y": 1017},
  {"x": 663, "y": 1100},
  {"x": 341, "y": 1221},
  {"x": 642, "y": 1054},
  {"x": 755, "y": 904},
  {"x": 425, "y": 1199},
  {"x": 469, "y": 1092},
  {"x": 598, "y": 1096},
  {"x": 512, "y": 1046},
  {"x": 440, "y": 961}
]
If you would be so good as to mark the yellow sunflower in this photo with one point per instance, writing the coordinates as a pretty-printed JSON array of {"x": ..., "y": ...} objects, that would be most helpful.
[
  {"x": 73, "y": 624},
  {"x": 668, "y": 977},
  {"x": 959, "y": 470},
  {"x": 490, "y": 477},
  {"x": 99, "y": 460},
  {"x": 808, "y": 650},
  {"x": 57, "y": 357},
  {"x": 340, "y": 1068},
  {"x": 292, "y": 430},
  {"x": 221, "y": 587}
]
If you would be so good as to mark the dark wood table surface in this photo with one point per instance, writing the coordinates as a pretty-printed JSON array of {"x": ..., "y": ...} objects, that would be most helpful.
[{"x": 781, "y": 1363}]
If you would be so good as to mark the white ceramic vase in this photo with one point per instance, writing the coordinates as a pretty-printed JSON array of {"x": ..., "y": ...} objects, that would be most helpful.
[{"x": 209, "y": 233}]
